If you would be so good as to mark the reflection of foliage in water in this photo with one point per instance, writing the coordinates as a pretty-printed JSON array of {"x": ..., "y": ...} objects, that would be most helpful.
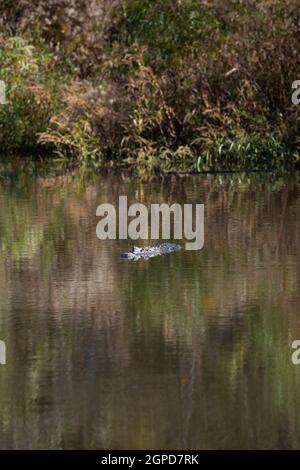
[{"x": 190, "y": 348}]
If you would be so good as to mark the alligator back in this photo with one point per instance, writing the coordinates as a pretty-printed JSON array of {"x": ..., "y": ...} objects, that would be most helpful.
[{"x": 150, "y": 251}]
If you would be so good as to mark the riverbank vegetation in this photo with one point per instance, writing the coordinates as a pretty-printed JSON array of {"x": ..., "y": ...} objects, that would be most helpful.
[{"x": 165, "y": 85}]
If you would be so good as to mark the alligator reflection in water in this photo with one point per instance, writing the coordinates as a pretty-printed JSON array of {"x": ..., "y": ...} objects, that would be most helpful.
[{"x": 147, "y": 252}]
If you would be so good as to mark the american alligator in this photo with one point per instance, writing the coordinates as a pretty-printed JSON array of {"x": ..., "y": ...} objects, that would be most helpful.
[{"x": 150, "y": 251}]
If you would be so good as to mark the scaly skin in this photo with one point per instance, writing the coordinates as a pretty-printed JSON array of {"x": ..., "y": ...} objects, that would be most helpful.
[{"x": 150, "y": 251}]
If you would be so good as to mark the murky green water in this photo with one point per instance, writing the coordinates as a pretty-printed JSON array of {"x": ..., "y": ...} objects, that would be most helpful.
[{"x": 189, "y": 350}]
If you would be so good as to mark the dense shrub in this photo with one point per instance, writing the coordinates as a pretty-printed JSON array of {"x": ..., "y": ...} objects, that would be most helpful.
[
  {"x": 165, "y": 85},
  {"x": 32, "y": 82}
]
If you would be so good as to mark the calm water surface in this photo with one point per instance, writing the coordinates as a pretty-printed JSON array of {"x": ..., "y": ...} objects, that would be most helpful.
[{"x": 188, "y": 350}]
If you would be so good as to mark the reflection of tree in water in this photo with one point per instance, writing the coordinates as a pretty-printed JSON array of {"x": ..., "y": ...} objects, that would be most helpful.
[{"x": 189, "y": 349}]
